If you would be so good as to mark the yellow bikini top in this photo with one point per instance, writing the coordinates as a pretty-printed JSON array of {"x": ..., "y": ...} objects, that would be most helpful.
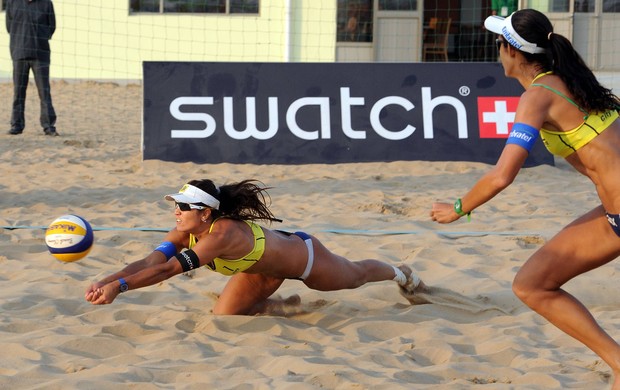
[
  {"x": 231, "y": 267},
  {"x": 565, "y": 143}
]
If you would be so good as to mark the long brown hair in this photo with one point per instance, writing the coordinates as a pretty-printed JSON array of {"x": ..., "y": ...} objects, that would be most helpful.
[
  {"x": 245, "y": 200},
  {"x": 561, "y": 57}
]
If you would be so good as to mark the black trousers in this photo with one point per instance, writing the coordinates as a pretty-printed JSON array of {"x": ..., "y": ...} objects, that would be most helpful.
[{"x": 41, "y": 72}]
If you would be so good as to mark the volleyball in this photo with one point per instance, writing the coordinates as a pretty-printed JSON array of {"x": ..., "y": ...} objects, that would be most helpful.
[{"x": 69, "y": 238}]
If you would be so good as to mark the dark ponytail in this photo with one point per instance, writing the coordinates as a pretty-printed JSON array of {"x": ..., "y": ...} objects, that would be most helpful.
[
  {"x": 561, "y": 57},
  {"x": 245, "y": 200}
]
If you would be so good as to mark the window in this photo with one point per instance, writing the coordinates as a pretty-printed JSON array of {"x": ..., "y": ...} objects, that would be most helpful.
[
  {"x": 584, "y": 5},
  {"x": 144, "y": 6},
  {"x": 354, "y": 21},
  {"x": 611, "y": 6},
  {"x": 559, "y": 6},
  {"x": 244, "y": 7},
  {"x": 195, "y": 6},
  {"x": 398, "y": 5}
]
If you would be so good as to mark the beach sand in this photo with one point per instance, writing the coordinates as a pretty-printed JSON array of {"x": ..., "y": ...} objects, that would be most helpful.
[{"x": 475, "y": 333}]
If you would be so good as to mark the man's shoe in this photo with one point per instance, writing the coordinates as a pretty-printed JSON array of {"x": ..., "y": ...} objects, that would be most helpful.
[
  {"x": 51, "y": 132},
  {"x": 15, "y": 131}
]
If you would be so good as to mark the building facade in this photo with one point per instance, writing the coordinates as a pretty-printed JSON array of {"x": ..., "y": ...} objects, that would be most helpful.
[{"x": 110, "y": 39}]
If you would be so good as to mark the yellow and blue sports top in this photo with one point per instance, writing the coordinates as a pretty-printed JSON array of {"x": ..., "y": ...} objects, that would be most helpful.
[
  {"x": 565, "y": 143},
  {"x": 231, "y": 267}
]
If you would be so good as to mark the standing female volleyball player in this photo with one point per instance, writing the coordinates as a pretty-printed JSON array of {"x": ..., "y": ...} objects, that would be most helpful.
[{"x": 576, "y": 118}]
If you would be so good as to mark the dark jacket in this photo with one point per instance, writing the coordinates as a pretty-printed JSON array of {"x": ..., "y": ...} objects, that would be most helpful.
[{"x": 31, "y": 24}]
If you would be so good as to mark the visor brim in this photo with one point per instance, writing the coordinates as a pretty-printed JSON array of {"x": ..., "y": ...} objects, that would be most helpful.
[
  {"x": 495, "y": 24},
  {"x": 181, "y": 198}
]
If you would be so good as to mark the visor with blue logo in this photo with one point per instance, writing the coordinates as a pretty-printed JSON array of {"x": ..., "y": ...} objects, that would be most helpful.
[{"x": 503, "y": 26}]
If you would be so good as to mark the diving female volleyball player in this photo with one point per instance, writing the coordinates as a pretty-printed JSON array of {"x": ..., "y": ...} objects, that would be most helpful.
[
  {"x": 577, "y": 119},
  {"x": 216, "y": 228}
]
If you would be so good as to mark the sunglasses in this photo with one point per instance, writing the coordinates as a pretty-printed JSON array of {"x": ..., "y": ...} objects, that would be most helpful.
[
  {"x": 188, "y": 206},
  {"x": 500, "y": 42}
]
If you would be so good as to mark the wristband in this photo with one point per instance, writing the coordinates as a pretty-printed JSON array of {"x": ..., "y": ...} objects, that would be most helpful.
[
  {"x": 523, "y": 135},
  {"x": 188, "y": 259},
  {"x": 167, "y": 248},
  {"x": 123, "y": 285},
  {"x": 458, "y": 208}
]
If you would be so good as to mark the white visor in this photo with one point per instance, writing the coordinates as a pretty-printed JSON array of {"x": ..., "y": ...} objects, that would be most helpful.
[
  {"x": 194, "y": 195},
  {"x": 503, "y": 27}
]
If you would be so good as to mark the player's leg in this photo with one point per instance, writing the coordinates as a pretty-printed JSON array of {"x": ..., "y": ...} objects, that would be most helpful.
[
  {"x": 333, "y": 272},
  {"x": 585, "y": 244},
  {"x": 246, "y": 294}
]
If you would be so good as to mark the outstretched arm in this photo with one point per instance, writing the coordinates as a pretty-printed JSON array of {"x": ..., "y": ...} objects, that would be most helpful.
[
  {"x": 154, "y": 258},
  {"x": 145, "y": 277},
  {"x": 158, "y": 256},
  {"x": 530, "y": 116},
  {"x": 489, "y": 185}
]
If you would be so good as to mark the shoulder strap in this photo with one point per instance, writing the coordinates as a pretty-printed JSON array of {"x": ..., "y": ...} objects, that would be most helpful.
[
  {"x": 192, "y": 241},
  {"x": 560, "y": 94},
  {"x": 213, "y": 223}
]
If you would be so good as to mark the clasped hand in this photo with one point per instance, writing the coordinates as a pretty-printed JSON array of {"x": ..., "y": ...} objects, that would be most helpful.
[
  {"x": 101, "y": 294},
  {"x": 443, "y": 212}
]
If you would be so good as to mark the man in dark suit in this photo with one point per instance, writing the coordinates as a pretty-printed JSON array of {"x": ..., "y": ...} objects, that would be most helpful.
[{"x": 31, "y": 24}]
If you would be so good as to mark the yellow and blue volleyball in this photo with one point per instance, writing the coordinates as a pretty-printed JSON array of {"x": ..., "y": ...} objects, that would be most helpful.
[{"x": 69, "y": 238}]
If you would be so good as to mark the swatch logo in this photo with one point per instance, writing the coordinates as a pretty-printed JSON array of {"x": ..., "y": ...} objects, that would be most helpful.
[{"x": 496, "y": 115}]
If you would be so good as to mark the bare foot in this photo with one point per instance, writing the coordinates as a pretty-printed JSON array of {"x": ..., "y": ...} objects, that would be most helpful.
[{"x": 414, "y": 285}]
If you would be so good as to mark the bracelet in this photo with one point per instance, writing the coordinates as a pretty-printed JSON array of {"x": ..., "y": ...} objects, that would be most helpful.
[
  {"x": 123, "y": 285},
  {"x": 458, "y": 208}
]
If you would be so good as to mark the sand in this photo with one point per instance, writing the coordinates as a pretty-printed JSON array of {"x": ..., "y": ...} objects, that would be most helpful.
[{"x": 475, "y": 333}]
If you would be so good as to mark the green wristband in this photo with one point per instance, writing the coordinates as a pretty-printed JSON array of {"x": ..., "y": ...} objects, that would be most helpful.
[{"x": 458, "y": 208}]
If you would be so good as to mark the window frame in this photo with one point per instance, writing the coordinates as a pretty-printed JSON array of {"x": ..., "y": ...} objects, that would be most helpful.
[
  {"x": 227, "y": 5},
  {"x": 356, "y": 14}
]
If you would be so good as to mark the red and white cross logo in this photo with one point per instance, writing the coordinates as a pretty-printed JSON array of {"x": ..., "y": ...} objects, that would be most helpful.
[{"x": 496, "y": 115}]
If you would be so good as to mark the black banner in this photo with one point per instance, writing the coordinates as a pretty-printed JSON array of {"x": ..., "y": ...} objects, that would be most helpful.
[{"x": 299, "y": 113}]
